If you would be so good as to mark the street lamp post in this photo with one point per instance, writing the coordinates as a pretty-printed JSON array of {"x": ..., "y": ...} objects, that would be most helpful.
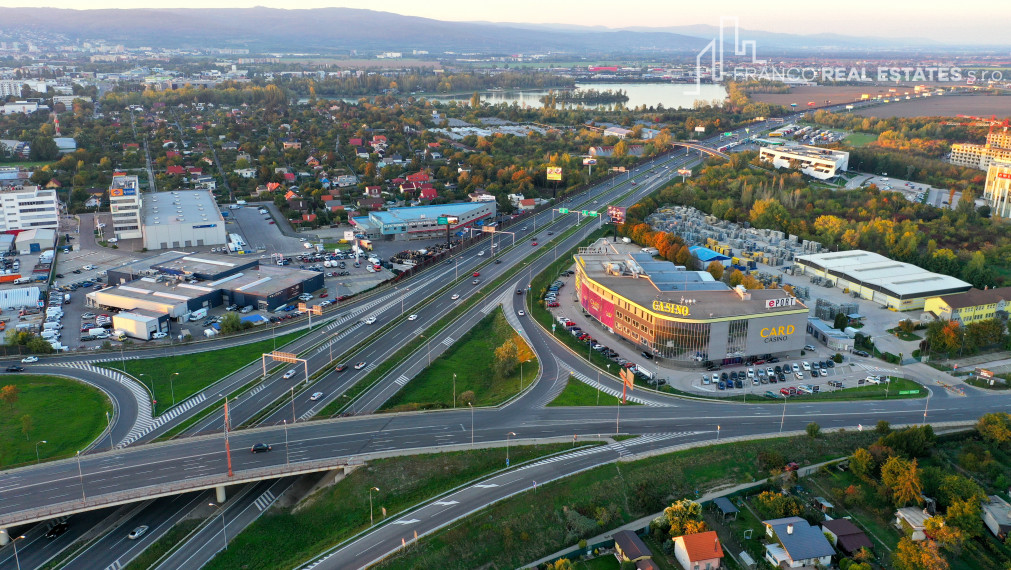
[
  {"x": 454, "y": 390},
  {"x": 471, "y": 424},
  {"x": 286, "y": 462},
  {"x": 508, "y": 435},
  {"x": 783, "y": 417},
  {"x": 172, "y": 386},
  {"x": 108, "y": 420},
  {"x": 224, "y": 531},
  {"x": 372, "y": 520},
  {"x": 925, "y": 406},
  {"x": 37, "y": 460},
  {"x": 293, "y": 420},
  {"x": 80, "y": 474},
  {"x": 521, "y": 372},
  {"x": 17, "y": 561}
]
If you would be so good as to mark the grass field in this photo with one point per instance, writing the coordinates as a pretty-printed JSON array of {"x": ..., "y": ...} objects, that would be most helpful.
[
  {"x": 68, "y": 415},
  {"x": 283, "y": 539},
  {"x": 196, "y": 371},
  {"x": 860, "y": 139},
  {"x": 535, "y": 523},
  {"x": 577, "y": 393},
  {"x": 471, "y": 358}
]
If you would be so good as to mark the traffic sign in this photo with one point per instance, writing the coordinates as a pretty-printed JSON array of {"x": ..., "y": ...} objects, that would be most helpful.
[
  {"x": 590, "y": 213},
  {"x": 284, "y": 356},
  {"x": 563, "y": 210}
]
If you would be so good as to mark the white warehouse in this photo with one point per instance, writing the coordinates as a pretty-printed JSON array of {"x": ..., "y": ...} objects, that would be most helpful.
[
  {"x": 182, "y": 218},
  {"x": 816, "y": 162}
]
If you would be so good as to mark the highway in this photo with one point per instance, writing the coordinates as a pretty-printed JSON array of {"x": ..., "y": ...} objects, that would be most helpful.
[{"x": 358, "y": 438}]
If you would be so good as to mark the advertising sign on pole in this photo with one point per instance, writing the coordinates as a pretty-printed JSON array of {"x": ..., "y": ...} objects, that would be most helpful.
[{"x": 554, "y": 173}]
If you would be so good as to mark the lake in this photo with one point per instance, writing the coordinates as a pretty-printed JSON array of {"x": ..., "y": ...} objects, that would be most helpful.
[{"x": 671, "y": 95}]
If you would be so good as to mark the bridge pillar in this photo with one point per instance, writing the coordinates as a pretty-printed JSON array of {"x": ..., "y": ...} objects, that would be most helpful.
[
  {"x": 4, "y": 537},
  {"x": 219, "y": 492}
]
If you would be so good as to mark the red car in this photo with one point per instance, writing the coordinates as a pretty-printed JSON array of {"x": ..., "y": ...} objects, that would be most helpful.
[
  {"x": 533, "y": 244},
  {"x": 553, "y": 304},
  {"x": 341, "y": 367},
  {"x": 477, "y": 274}
]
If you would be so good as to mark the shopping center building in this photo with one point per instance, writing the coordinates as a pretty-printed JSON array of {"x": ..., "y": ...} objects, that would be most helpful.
[{"x": 684, "y": 315}]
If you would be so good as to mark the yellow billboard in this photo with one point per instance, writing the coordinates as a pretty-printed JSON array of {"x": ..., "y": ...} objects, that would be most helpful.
[{"x": 554, "y": 173}]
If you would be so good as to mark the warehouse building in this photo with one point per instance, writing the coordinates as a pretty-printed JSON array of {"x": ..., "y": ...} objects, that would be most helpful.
[
  {"x": 161, "y": 295},
  {"x": 894, "y": 284},
  {"x": 422, "y": 222},
  {"x": 140, "y": 323},
  {"x": 817, "y": 162},
  {"x": 684, "y": 315},
  {"x": 182, "y": 218},
  {"x": 269, "y": 287},
  {"x": 205, "y": 266},
  {"x": 35, "y": 240}
]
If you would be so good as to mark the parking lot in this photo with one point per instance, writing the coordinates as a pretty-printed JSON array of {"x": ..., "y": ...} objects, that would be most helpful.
[{"x": 913, "y": 191}]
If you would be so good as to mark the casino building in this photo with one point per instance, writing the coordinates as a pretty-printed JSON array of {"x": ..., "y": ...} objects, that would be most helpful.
[{"x": 684, "y": 315}]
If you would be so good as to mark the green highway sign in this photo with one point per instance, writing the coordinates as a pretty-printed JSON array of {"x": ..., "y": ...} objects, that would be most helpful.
[
  {"x": 442, "y": 221},
  {"x": 590, "y": 213},
  {"x": 728, "y": 134},
  {"x": 563, "y": 210},
  {"x": 904, "y": 392}
]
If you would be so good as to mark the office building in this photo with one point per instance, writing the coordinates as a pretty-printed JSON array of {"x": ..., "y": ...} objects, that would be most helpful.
[
  {"x": 816, "y": 162},
  {"x": 29, "y": 207},
  {"x": 981, "y": 156},
  {"x": 124, "y": 203},
  {"x": 422, "y": 222}
]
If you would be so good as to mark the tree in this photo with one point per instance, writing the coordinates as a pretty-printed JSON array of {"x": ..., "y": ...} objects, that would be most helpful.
[
  {"x": 26, "y": 426},
  {"x": 506, "y": 359},
  {"x": 922, "y": 555},
  {"x": 561, "y": 563},
  {"x": 902, "y": 480},
  {"x": 883, "y": 427},
  {"x": 9, "y": 394},
  {"x": 995, "y": 427},
  {"x": 684, "y": 517},
  {"x": 38, "y": 345},
  {"x": 965, "y": 515},
  {"x": 862, "y": 463},
  {"x": 231, "y": 322},
  {"x": 954, "y": 488},
  {"x": 44, "y": 148},
  {"x": 715, "y": 268},
  {"x": 841, "y": 322},
  {"x": 736, "y": 278},
  {"x": 813, "y": 430}
]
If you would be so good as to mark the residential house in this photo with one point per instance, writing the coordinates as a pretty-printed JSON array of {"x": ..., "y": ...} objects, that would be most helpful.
[
  {"x": 172, "y": 154},
  {"x": 290, "y": 194},
  {"x": 230, "y": 145},
  {"x": 194, "y": 171},
  {"x": 298, "y": 204},
  {"x": 527, "y": 204},
  {"x": 131, "y": 147},
  {"x": 205, "y": 182},
  {"x": 325, "y": 183},
  {"x": 244, "y": 156},
  {"x": 245, "y": 172},
  {"x": 797, "y": 544},
  {"x": 291, "y": 144},
  {"x": 846, "y": 536},
  {"x": 308, "y": 218},
  {"x": 628, "y": 547},
  {"x": 617, "y": 132},
  {"x": 54, "y": 184},
  {"x": 910, "y": 520},
  {"x": 428, "y": 193},
  {"x": 997, "y": 516},
  {"x": 312, "y": 162},
  {"x": 175, "y": 170},
  {"x": 433, "y": 145},
  {"x": 481, "y": 195},
  {"x": 410, "y": 187},
  {"x": 373, "y": 192},
  {"x": 95, "y": 198},
  {"x": 370, "y": 203},
  {"x": 289, "y": 177},
  {"x": 345, "y": 180},
  {"x": 361, "y": 152},
  {"x": 701, "y": 551},
  {"x": 418, "y": 177}
]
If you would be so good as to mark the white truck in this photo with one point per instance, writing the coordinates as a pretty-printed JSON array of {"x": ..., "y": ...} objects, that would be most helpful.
[{"x": 198, "y": 314}]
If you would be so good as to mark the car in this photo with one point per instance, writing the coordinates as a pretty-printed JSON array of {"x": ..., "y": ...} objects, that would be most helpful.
[
  {"x": 519, "y": 291},
  {"x": 341, "y": 368},
  {"x": 795, "y": 367},
  {"x": 722, "y": 385},
  {"x": 553, "y": 304},
  {"x": 159, "y": 334},
  {"x": 647, "y": 355},
  {"x": 260, "y": 448},
  {"x": 476, "y": 281},
  {"x": 370, "y": 321},
  {"x": 807, "y": 366},
  {"x": 57, "y": 529},
  {"x": 521, "y": 313},
  {"x": 824, "y": 372},
  {"x": 290, "y": 374},
  {"x": 88, "y": 315},
  {"x": 137, "y": 532},
  {"x": 830, "y": 363},
  {"x": 454, "y": 297},
  {"x": 15, "y": 368},
  {"x": 29, "y": 359},
  {"x": 769, "y": 371},
  {"x": 476, "y": 274},
  {"x": 360, "y": 365},
  {"x": 799, "y": 375},
  {"x": 551, "y": 233},
  {"x": 231, "y": 307},
  {"x": 861, "y": 353},
  {"x": 412, "y": 318},
  {"x": 808, "y": 347},
  {"x": 315, "y": 396},
  {"x": 751, "y": 372},
  {"x": 738, "y": 384},
  {"x": 705, "y": 379},
  {"x": 533, "y": 244}
]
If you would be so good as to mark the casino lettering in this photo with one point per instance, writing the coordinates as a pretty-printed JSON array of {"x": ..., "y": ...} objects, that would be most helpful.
[{"x": 776, "y": 334}]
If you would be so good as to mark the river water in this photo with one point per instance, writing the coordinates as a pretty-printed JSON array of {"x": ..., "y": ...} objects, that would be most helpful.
[{"x": 671, "y": 95}]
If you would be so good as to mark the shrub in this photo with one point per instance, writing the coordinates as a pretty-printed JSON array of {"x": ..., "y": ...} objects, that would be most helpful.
[{"x": 813, "y": 429}]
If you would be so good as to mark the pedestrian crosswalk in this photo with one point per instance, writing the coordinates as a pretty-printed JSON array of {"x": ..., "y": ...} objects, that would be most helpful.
[
  {"x": 264, "y": 501},
  {"x": 448, "y": 341},
  {"x": 615, "y": 392},
  {"x": 114, "y": 566},
  {"x": 370, "y": 367},
  {"x": 402, "y": 380}
]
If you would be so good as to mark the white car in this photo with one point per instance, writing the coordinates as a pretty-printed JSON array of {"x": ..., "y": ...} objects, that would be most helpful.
[
  {"x": 159, "y": 335},
  {"x": 29, "y": 359},
  {"x": 795, "y": 367},
  {"x": 289, "y": 374},
  {"x": 521, "y": 313},
  {"x": 872, "y": 380},
  {"x": 370, "y": 321},
  {"x": 360, "y": 365},
  {"x": 454, "y": 297},
  {"x": 412, "y": 318},
  {"x": 315, "y": 396},
  {"x": 807, "y": 366},
  {"x": 137, "y": 532}
]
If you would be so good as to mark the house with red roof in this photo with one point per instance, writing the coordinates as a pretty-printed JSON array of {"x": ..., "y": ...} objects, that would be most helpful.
[
  {"x": 702, "y": 551},
  {"x": 194, "y": 170},
  {"x": 309, "y": 218},
  {"x": 355, "y": 142},
  {"x": 289, "y": 176},
  {"x": 418, "y": 177},
  {"x": 175, "y": 170},
  {"x": 428, "y": 193},
  {"x": 433, "y": 145},
  {"x": 373, "y": 191},
  {"x": 527, "y": 204},
  {"x": 171, "y": 153}
]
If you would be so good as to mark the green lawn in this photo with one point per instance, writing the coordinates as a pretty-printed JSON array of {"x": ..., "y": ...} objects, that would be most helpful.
[
  {"x": 860, "y": 139},
  {"x": 472, "y": 359},
  {"x": 902, "y": 335},
  {"x": 535, "y": 523},
  {"x": 870, "y": 392},
  {"x": 196, "y": 371},
  {"x": 606, "y": 562},
  {"x": 68, "y": 415},
  {"x": 282, "y": 539},
  {"x": 578, "y": 393},
  {"x": 25, "y": 164}
]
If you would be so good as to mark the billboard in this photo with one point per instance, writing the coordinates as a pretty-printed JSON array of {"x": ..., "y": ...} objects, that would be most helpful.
[
  {"x": 554, "y": 173},
  {"x": 617, "y": 214},
  {"x": 601, "y": 309},
  {"x": 589, "y": 161},
  {"x": 700, "y": 129}
]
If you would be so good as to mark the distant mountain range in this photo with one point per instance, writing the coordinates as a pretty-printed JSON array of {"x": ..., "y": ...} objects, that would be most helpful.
[{"x": 341, "y": 30}]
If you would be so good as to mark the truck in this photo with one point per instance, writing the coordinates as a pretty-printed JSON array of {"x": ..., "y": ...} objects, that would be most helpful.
[
  {"x": 52, "y": 326},
  {"x": 99, "y": 332},
  {"x": 210, "y": 333},
  {"x": 198, "y": 314},
  {"x": 626, "y": 240}
]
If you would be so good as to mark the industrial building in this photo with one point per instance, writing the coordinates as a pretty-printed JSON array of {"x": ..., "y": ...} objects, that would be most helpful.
[
  {"x": 422, "y": 222},
  {"x": 684, "y": 315},
  {"x": 181, "y": 218},
  {"x": 981, "y": 156},
  {"x": 35, "y": 240},
  {"x": 970, "y": 307},
  {"x": 817, "y": 162},
  {"x": 997, "y": 191},
  {"x": 124, "y": 204},
  {"x": 29, "y": 207},
  {"x": 141, "y": 323},
  {"x": 894, "y": 284},
  {"x": 177, "y": 283}
]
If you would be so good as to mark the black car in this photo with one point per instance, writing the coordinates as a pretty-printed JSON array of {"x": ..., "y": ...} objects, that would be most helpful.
[
  {"x": 861, "y": 353},
  {"x": 341, "y": 367},
  {"x": 519, "y": 291},
  {"x": 260, "y": 448},
  {"x": 497, "y": 261},
  {"x": 57, "y": 529},
  {"x": 15, "y": 368},
  {"x": 830, "y": 364},
  {"x": 647, "y": 355},
  {"x": 738, "y": 384}
]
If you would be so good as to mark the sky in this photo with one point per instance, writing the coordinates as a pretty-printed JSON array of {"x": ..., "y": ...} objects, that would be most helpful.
[{"x": 967, "y": 21}]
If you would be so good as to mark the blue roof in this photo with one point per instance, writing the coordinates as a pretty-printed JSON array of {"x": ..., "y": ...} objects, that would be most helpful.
[
  {"x": 415, "y": 213},
  {"x": 706, "y": 255},
  {"x": 804, "y": 542},
  {"x": 666, "y": 277},
  {"x": 254, "y": 319}
]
